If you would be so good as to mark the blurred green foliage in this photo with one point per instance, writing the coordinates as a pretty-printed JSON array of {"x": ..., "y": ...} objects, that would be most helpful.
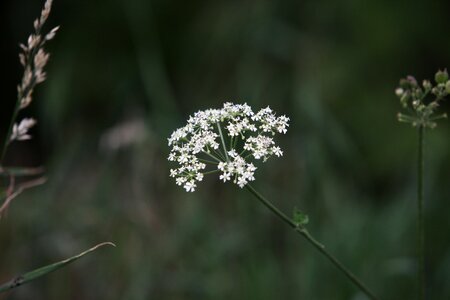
[{"x": 331, "y": 66}]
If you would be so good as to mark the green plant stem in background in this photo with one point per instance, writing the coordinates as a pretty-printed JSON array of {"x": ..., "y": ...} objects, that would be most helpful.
[
  {"x": 422, "y": 114},
  {"x": 304, "y": 232},
  {"x": 420, "y": 216},
  {"x": 10, "y": 128}
]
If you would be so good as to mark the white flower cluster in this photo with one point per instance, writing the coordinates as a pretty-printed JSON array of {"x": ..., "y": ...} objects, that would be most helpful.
[
  {"x": 211, "y": 137},
  {"x": 238, "y": 168}
]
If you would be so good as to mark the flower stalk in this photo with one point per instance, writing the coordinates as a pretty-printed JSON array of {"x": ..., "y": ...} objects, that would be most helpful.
[
  {"x": 204, "y": 134},
  {"x": 223, "y": 142},
  {"x": 305, "y": 233},
  {"x": 421, "y": 103},
  {"x": 421, "y": 215}
]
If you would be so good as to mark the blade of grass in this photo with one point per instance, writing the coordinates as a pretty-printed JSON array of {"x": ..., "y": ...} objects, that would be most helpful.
[
  {"x": 18, "y": 171},
  {"x": 27, "y": 277}
]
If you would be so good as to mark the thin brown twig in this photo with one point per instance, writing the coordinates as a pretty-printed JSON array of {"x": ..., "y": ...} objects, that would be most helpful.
[
  {"x": 19, "y": 171},
  {"x": 12, "y": 183},
  {"x": 20, "y": 188}
]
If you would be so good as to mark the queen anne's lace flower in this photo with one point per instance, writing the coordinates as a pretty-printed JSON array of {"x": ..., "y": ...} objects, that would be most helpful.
[{"x": 227, "y": 139}]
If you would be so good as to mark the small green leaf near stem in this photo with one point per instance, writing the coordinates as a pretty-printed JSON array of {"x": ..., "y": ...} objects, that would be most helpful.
[{"x": 304, "y": 232}]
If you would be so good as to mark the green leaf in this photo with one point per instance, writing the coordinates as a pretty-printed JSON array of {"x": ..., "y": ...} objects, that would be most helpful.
[
  {"x": 22, "y": 279},
  {"x": 300, "y": 218}
]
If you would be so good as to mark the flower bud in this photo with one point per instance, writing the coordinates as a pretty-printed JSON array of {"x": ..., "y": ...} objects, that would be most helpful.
[
  {"x": 441, "y": 76},
  {"x": 404, "y": 100},
  {"x": 426, "y": 85},
  {"x": 447, "y": 87},
  {"x": 411, "y": 80},
  {"x": 399, "y": 92},
  {"x": 404, "y": 83}
]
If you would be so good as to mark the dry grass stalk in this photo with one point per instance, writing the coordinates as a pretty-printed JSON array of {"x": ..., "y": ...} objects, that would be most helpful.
[
  {"x": 16, "y": 191},
  {"x": 33, "y": 58}
]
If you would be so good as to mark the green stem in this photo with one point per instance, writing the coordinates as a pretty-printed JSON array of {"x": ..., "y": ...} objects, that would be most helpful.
[
  {"x": 219, "y": 154},
  {"x": 223, "y": 141},
  {"x": 9, "y": 132},
  {"x": 212, "y": 156},
  {"x": 207, "y": 161},
  {"x": 211, "y": 172},
  {"x": 420, "y": 216},
  {"x": 304, "y": 232}
]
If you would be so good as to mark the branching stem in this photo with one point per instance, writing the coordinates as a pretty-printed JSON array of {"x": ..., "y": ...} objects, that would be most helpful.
[
  {"x": 212, "y": 156},
  {"x": 223, "y": 141}
]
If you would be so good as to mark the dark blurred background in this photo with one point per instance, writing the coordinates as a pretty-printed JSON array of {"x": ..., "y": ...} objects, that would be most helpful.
[{"x": 124, "y": 74}]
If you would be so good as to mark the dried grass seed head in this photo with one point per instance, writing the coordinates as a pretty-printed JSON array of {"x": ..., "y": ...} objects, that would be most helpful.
[
  {"x": 34, "y": 59},
  {"x": 20, "y": 131}
]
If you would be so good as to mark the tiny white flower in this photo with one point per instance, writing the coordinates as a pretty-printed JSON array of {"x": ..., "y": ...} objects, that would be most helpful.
[
  {"x": 190, "y": 186},
  {"x": 221, "y": 166},
  {"x": 199, "y": 176},
  {"x": 232, "y": 153},
  {"x": 277, "y": 151},
  {"x": 180, "y": 180},
  {"x": 399, "y": 92},
  {"x": 241, "y": 182},
  {"x": 225, "y": 176}
]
